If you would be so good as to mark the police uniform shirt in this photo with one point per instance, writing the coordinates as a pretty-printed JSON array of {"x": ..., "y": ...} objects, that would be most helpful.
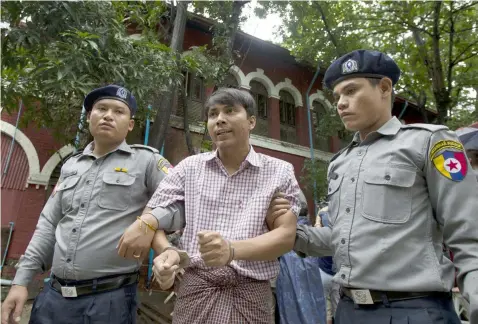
[
  {"x": 94, "y": 202},
  {"x": 395, "y": 198}
]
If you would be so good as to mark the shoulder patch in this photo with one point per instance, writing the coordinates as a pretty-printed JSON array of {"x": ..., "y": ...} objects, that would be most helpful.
[
  {"x": 164, "y": 165},
  {"x": 449, "y": 159},
  {"x": 428, "y": 127},
  {"x": 144, "y": 147}
]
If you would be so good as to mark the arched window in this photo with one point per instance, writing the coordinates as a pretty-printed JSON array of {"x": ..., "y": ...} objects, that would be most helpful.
[
  {"x": 287, "y": 108},
  {"x": 259, "y": 92}
]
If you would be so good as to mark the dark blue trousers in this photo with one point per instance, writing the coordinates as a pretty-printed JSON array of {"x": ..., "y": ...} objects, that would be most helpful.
[
  {"x": 113, "y": 307},
  {"x": 430, "y": 310}
]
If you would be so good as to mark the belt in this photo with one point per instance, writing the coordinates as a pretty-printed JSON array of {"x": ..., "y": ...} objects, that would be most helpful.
[
  {"x": 366, "y": 296},
  {"x": 72, "y": 288}
]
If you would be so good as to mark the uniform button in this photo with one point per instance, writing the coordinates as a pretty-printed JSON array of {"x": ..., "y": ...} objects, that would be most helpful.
[
  {"x": 68, "y": 260},
  {"x": 359, "y": 153},
  {"x": 347, "y": 210},
  {"x": 343, "y": 241},
  {"x": 330, "y": 189},
  {"x": 353, "y": 179},
  {"x": 74, "y": 230},
  {"x": 88, "y": 182},
  {"x": 117, "y": 181},
  {"x": 388, "y": 177},
  {"x": 342, "y": 276},
  {"x": 97, "y": 162},
  {"x": 82, "y": 205}
]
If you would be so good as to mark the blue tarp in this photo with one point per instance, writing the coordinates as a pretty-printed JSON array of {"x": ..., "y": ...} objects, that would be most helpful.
[{"x": 299, "y": 292}]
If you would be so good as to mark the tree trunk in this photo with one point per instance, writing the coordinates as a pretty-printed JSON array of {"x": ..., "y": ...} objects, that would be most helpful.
[
  {"x": 187, "y": 133},
  {"x": 161, "y": 121}
]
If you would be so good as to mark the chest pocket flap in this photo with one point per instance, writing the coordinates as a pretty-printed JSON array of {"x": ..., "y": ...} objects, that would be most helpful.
[
  {"x": 118, "y": 178},
  {"x": 68, "y": 183},
  {"x": 390, "y": 176},
  {"x": 387, "y": 194},
  {"x": 116, "y": 191},
  {"x": 334, "y": 183}
]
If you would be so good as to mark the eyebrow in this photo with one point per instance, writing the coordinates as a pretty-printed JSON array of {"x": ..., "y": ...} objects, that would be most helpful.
[{"x": 352, "y": 84}]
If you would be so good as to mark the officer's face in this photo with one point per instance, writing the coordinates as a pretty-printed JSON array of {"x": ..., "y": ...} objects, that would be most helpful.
[
  {"x": 361, "y": 105},
  {"x": 110, "y": 120},
  {"x": 229, "y": 126}
]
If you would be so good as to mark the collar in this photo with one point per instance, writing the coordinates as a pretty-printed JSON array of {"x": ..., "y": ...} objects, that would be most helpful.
[
  {"x": 252, "y": 157},
  {"x": 390, "y": 128},
  {"x": 122, "y": 147}
]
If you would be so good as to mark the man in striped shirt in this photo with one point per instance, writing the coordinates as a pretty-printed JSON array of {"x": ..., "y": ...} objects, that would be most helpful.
[{"x": 233, "y": 250}]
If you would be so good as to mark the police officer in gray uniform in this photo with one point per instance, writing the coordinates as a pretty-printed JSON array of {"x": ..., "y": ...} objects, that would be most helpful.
[
  {"x": 100, "y": 193},
  {"x": 397, "y": 193}
]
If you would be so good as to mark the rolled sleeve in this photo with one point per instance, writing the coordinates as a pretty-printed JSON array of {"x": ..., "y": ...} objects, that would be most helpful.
[
  {"x": 170, "y": 218},
  {"x": 291, "y": 189}
]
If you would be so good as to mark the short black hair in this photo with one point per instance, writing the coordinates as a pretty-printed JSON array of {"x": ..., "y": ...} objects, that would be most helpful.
[
  {"x": 232, "y": 97},
  {"x": 375, "y": 81}
]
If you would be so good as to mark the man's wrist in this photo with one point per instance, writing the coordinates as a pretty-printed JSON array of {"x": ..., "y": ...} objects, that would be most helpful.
[{"x": 148, "y": 217}]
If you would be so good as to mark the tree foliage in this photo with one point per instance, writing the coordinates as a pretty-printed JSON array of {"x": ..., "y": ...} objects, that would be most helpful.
[{"x": 430, "y": 41}]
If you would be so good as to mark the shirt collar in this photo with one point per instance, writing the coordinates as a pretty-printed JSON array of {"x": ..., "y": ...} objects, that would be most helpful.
[
  {"x": 122, "y": 147},
  {"x": 390, "y": 128},
  {"x": 252, "y": 157}
]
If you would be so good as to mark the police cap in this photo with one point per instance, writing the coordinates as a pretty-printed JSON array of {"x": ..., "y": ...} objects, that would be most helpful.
[
  {"x": 111, "y": 92},
  {"x": 364, "y": 64}
]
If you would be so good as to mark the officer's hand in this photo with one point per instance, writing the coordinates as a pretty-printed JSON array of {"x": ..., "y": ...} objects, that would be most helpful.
[
  {"x": 165, "y": 267},
  {"x": 278, "y": 207},
  {"x": 12, "y": 307},
  {"x": 136, "y": 240},
  {"x": 214, "y": 249}
]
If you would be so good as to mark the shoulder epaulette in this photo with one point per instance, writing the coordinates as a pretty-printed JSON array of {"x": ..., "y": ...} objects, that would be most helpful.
[
  {"x": 429, "y": 127},
  {"x": 144, "y": 147}
]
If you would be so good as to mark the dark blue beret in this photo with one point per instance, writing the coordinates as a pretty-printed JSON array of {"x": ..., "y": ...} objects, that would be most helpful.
[
  {"x": 361, "y": 63},
  {"x": 111, "y": 92}
]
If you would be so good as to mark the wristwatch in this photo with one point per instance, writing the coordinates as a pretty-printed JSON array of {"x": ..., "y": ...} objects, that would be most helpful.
[{"x": 183, "y": 256}]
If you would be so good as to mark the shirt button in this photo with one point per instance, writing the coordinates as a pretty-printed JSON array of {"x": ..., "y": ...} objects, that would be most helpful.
[
  {"x": 88, "y": 182},
  {"x": 347, "y": 210},
  {"x": 388, "y": 177},
  {"x": 82, "y": 205},
  {"x": 97, "y": 162},
  {"x": 330, "y": 189},
  {"x": 68, "y": 260},
  {"x": 359, "y": 153},
  {"x": 342, "y": 241},
  {"x": 74, "y": 230},
  {"x": 342, "y": 276},
  {"x": 117, "y": 181},
  {"x": 353, "y": 179}
]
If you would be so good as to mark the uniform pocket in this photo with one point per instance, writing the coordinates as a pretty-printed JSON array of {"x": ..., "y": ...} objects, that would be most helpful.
[
  {"x": 387, "y": 195},
  {"x": 67, "y": 190},
  {"x": 333, "y": 196},
  {"x": 116, "y": 191}
]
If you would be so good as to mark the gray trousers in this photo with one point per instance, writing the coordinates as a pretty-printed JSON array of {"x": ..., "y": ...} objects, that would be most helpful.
[
  {"x": 112, "y": 307},
  {"x": 428, "y": 310}
]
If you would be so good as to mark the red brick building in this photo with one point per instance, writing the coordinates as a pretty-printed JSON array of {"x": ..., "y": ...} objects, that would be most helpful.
[{"x": 277, "y": 81}]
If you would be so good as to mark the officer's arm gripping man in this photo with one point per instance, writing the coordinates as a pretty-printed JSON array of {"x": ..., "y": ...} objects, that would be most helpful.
[{"x": 454, "y": 198}]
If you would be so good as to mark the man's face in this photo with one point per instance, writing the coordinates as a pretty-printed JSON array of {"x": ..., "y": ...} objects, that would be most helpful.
[
  {"x": 359, "y": 103},
  {"x": 229, "y": 126},
  {"x": 110, "y": 120}
]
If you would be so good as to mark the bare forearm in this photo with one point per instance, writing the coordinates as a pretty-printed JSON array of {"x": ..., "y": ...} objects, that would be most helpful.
[
  {"x": 160, "y": 242},
  {"x": 265, "y": 247}
]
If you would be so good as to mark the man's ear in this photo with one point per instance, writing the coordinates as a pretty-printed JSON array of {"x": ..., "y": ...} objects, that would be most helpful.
[
  {"x": 252, "y": 122},
  {"x": 131, "y": 125},
  {"x": 386, "y": 87},
  {"x": 88, "y": 115}
]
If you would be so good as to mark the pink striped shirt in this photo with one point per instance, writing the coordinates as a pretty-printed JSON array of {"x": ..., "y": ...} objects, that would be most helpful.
[{"x": 233, "y": 205}]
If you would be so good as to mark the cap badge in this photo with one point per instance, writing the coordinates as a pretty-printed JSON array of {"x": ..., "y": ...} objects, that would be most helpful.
[
  {"x": 349, "y": 66},
  {"x": 122, "y": 93}
]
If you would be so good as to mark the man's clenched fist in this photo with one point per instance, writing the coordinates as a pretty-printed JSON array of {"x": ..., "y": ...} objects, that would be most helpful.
[
  {"x": 165, "y": 267},
  {"x": 214, "y": 249}
]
